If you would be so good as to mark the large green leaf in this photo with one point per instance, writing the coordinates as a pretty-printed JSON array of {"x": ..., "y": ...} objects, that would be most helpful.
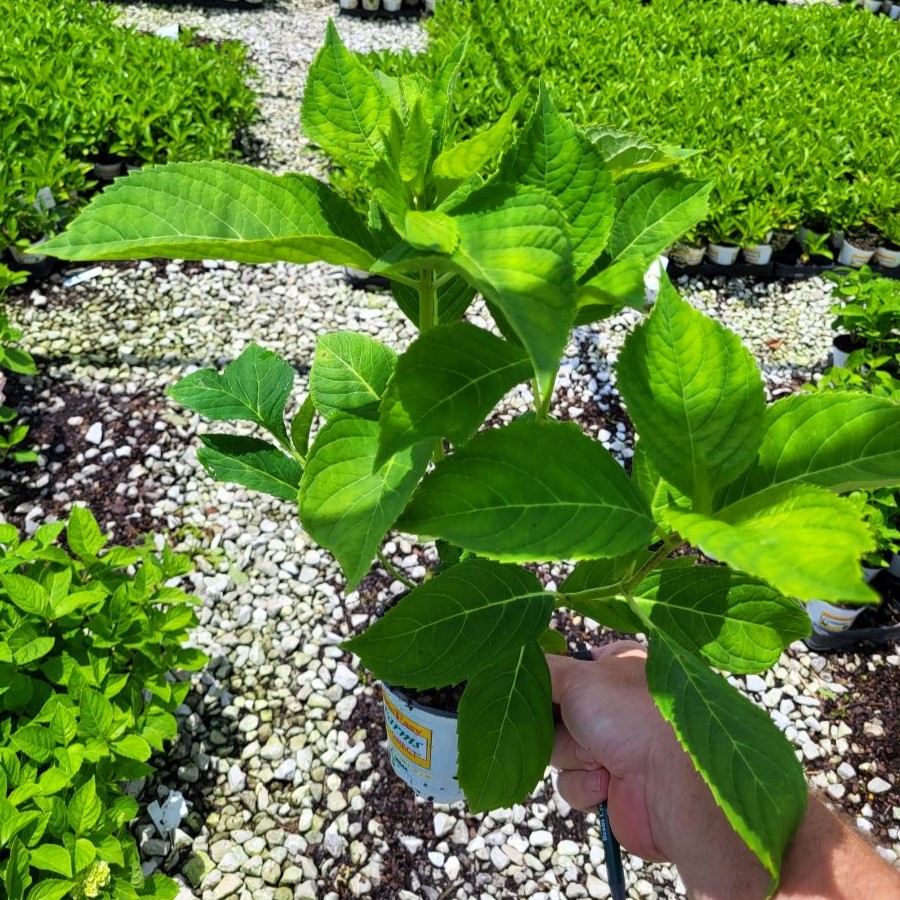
[
  {"x": 345, "y": 108},
  {"x": 694, "y": 394},
  {"x": 803, "y": 540},
  {"x": 513, "y": 246},
  {"x": 840, "y": 440},
  {"x": 745, "y": 760},
  {"x": 442, "y": 93},
  {"x": 624, "y": 153},
  {"x": 445, "y": 384},
  {"x": 35, "y": 741},
  {"x": 85, "y": 808},
  {"x": 505, "y": 728},
  {"x": 552, "y": 154},
  {"x": 735, "y": 622},
  {"x": 345, "y": 505},
  {"x": 349, "y": 374},
  {"x": 28, "y": 594},
  {"x": 655, "y": 211},
  {"x": 468, "y": 157},
  {"x": 253, "y": 463},
  {"x": 532, "y": 490},
  {"x": 52, "y": 858},
  {"x": 611, "y": 288},
  {"x": 253, "y": 388},
  {"x": 217, "y": 210},
  {"x": 449, "y": 628}
]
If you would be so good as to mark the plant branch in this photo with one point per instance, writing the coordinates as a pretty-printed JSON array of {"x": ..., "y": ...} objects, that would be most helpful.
[
  {"x": 393, "y": 570},
  {"x": 427, "y": 301}
]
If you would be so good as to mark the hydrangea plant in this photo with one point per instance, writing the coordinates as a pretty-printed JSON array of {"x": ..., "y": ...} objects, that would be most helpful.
[{"x": 554, "y": 226}]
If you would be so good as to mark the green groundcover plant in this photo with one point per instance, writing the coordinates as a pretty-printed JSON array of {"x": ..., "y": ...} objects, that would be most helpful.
[
  {"x": 561, "y": 233},
  {"x": 88, "y": 639},
  {"x": 12, "y": 359},
  {"x": 795, "y": 109}
]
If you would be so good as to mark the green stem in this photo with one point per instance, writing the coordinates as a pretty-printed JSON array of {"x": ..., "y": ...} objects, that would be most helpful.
[
  {"x": 404, "y": 279},
  {"x": 427, "y": 301},
  {"x": 392, "y": 570}
]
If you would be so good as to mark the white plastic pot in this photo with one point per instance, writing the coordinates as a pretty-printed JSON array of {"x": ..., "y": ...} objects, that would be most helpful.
[
  {"x": 758, "y": 254},
  {"x": 349, "y": 4},
  {"x": 371, "y": 5},
  {"x": 888, "y": 259},
  {"x": 828, "y": 618},
  {"x": 872, "y": 5},
  {"x": 422, "y": 745},
  {"x": 688, "y": 255},
  {"x": 429, "y": 5},
  {"x": 722, "y": 254},
  {"x": 28, "y": 259},
  {"x": 895, "y": 11},
  {"x": 392, "y": 5},
  {"x": 853, "y": 256}
]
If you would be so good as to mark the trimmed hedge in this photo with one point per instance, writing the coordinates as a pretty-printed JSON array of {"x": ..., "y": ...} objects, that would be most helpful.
[
  {"x": 77, "y": 87},
  {"x": 796, "y": 109}
]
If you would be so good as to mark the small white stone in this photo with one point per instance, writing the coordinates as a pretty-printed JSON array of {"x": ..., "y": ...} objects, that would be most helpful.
[
  {"x": 878, "y": 785},
  {"x": 452, "y": 867},
  {"x": 95, "y": 434},
  {"x": 846, "y": 771},
  {"x": 541, "y": 838},
  {"x": 443, "y": 824},
  {"x": 755, "y": 684},
  {"x": 836, "y": 791},
  {"x": 568, "y": 848},
  {"x": 499, "y": 859}
]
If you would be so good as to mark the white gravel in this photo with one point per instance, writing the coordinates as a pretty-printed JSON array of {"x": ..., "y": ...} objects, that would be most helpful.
[{"x": 280, "y": 773}]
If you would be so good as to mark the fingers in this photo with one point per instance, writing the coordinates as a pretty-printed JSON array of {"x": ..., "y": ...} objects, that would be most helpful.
[
  {"x": 564, "y": 669},
  {"x": 568, "y": 753},
  {"x": 627, "y": 649},
  {"x": 583, "y": 790}
]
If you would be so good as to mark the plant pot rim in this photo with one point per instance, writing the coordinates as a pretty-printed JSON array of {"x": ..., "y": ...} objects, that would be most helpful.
[
  {"x": 422, "y": 707},
  {"x": 847, "y": 343}
]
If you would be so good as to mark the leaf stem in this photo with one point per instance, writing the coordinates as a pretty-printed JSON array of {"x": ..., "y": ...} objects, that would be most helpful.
[
  {"x": 392, "y": 570},
  {"x": 404, "y": 279},
  {"x": 427, "y": 301}
]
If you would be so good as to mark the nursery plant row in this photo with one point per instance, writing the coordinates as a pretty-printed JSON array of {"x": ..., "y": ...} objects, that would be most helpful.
[
  {"x": 793, "y": 109},
  {"x": 80, "y": 90}
]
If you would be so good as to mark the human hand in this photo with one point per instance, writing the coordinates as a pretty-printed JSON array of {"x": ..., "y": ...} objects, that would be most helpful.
[{"x": 614, "y": 745}]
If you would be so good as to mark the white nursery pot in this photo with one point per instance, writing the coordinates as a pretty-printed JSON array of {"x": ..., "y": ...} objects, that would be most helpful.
[
  {"x": 758, "y": 254},
  {"x": 690, "y": 256},
  {"x": 392, "y": 5},
  {"x": 895, "y": 11},
  {"x": 422, "y": 745},
  {"x": 371, "y": 5},
  {"x": 827, "y": 618},
  {"x": 28, "y": 259},
  {"x": 722, "y": 254},
  {"x": 853, "y": 256},
  {"x": 349, "y": 4},
  {"x": 889, "y": 259},
  {"x": 872, "y": 5}
]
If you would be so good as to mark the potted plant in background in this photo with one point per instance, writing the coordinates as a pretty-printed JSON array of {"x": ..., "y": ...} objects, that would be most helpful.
[
  {"x": 400, "y": 440},
  {"x": 690, "y": 250},
  {"x": 755, "y": 222},
  {"x": 887, "y": 254}
]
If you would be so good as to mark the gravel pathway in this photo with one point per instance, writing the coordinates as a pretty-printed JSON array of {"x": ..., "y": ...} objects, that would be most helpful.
[{"x": 280, "y": 755}]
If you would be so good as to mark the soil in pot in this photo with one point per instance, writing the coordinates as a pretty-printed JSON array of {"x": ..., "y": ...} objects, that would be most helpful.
[{"x": 842, "y": 346}]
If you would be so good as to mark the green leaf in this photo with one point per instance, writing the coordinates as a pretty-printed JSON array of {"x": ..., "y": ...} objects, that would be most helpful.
[
  {"x": 301, "y": 425},
  {"x": 349, "y": 374},
  {"x": 96, "y": 713},
  {"x": 694, "y": 394},
  {"x": 110, "y": 850},
  {"x": 35, "y": 741},
  {"x": 803, "y": 540},
  {"x": 253, "y": 463},
  {"x": 655, "y": 211},
  {"x": 505, "y": 728},
  {"x": 735, "y": 622},
  {"x": 217, "y": 210},
  {"x": 84, "y": 808},
  {"x": 49, "y": 532},
  {"x": 840, "y": 440},
  {"x": 515, "y": 250},
  {"x": 346, "y": 506},
  {"x": 85, "y": 854},
  {"x": 345, "y": 108},
  {"x": 442, "y": 93},
  {"x": 445, "y": 384},
  {"x": 27, "y": 594},
  {"x": 253, "y": 388},
  {"x": 51, "y": 889},
  {"x": 17, "y": 876},
  {"x": 34, "y": 650},
  {"x": 52, "y": 858},
  {"x": 415, "y": 152},
  {"x": 611, "y": 288},
  {"x": 553, "y": 641},
  {"x": 450, "y": 627},
  {"x": 532, "y": 490},
  {"x": 746, "y": 762},
  {"x": 431, "y": 231},
  {"x": 467, "y": 157},
  {"x": 624, "y": 153},
  {"x": 552, "y": 154},
  {"x": 132, "y": 746},
  {"x": 83, "y": 533}
]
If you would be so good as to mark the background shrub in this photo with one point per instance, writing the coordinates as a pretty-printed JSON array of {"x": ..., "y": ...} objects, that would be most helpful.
[
  {"x": 76, "y": 86},
  {"x": 88, "y": 640},
  {"x": 795, "y": 109}
]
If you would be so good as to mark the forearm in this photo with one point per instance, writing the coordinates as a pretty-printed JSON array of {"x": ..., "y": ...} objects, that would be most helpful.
[
  {"x": 826, "y": 860},
  {"x": 829, "y": 860}
]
